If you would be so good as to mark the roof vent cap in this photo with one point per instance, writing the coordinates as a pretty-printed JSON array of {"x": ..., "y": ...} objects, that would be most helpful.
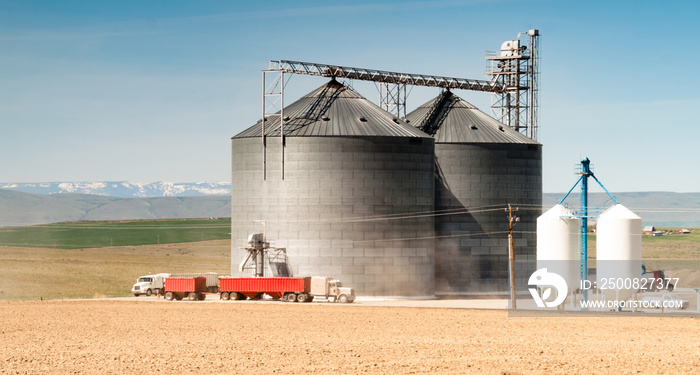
[
  {"x": 363, "y": 119},
  {"x": 473, "y": 127},
  {"x": 325, "y": 118}
]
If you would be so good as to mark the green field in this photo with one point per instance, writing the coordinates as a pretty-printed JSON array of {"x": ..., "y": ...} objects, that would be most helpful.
[
  {"x": 671, "y": 247},
  {"x": 96, "y": 234}
]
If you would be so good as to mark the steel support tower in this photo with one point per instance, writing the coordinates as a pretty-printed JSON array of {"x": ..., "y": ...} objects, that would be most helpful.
[
  {"x": 585, "y": 170},
  {"x": 272, "y": 106},
  {"x": 516, "y": 68}
]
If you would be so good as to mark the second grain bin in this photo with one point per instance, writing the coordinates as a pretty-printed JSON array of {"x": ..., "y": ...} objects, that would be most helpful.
[
  {"x": 481, "y": 167},
  {"x": 346, "y": 191},
  {"x": 618, "y": 252}
]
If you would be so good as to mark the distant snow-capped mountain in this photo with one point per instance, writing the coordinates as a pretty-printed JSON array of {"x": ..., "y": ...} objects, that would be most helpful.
[{"x": 124, "y": 189}]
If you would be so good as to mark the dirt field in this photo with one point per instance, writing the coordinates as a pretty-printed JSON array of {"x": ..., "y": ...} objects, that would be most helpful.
[{"x": 121, "y": 337}]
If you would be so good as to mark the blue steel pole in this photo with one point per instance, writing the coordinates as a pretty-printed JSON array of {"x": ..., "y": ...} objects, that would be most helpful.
[{"x": 585, "y": 163}]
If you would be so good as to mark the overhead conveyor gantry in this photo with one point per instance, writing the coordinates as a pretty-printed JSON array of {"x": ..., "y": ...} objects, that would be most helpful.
[
  {"x": 393, "y": 89},
  {"x": 513, "y": 83}
]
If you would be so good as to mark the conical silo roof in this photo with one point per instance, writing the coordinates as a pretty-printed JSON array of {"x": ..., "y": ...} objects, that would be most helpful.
[
  {"x": 334, "y": 110},
  {"x": 450, "y": 119}
]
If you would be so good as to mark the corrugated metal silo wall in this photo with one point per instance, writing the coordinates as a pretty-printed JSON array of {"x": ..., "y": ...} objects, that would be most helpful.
[
  {"x": 483, "y": 178},
  {"x": 339, "y": 209}
]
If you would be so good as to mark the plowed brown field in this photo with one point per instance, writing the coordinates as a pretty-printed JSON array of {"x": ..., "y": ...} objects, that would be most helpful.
[{"x": 121, "y": 337}]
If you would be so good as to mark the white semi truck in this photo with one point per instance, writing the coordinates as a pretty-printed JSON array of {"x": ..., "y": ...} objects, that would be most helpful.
[{"x": 149, "y": 284}]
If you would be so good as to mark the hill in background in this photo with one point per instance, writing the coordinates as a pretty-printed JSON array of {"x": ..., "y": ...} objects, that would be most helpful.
[
  {"x": 18, "y": 208},
  {"x": 661, "y": 209},
  {"x": 123, "y": 189}
]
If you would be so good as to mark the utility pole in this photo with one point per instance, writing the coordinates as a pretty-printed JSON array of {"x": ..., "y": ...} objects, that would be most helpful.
[{"x": 511, "y": 252}]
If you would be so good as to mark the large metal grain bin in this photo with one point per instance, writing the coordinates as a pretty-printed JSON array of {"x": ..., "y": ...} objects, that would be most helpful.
[
  {"x": 348, "y": 193},
  {"x": 481, "y": 167}
]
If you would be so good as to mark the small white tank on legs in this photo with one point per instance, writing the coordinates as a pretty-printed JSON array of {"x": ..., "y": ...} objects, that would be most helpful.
[{"x": 619, "y": 252}]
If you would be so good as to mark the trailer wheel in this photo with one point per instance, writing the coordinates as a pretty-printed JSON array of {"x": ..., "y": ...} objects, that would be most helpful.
[
  {"x": 169, "y": 296},
  {"x": 291, "y": 297},
  {"x": 302, "y": 297},
  {"x": 224, "y": 296},
  {"x": 136, "y": 294},
  {"x": 202, "y": 297},
  {"x": 149, "y": 292},
  {"x": 670, "y": 287},
  {"x": 192, "y": 296},
  {"x": 343, "y": 298},
  {"x": 240, "y": 296}
]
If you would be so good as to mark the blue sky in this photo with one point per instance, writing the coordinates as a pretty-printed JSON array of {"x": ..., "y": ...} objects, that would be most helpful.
[{"x": 153, "y": 91}]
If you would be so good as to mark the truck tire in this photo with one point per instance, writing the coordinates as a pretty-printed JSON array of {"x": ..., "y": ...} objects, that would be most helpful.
[
  {"x": 225, "y": 296},
  {"x": 343, "y": 298},
  {"x": 302, "y": 297},
  {"x": 291, "y": 297},
  {"x": 169, "y": 296},
  {"x": 202, "y": 297},
  {"x": 136, "y": 294},
  {"x": 192, "y": 296},
  {"x": 240, "y": 296},
  {"x": 149, "y": 292},
  {"x": 670, "y": 287}
]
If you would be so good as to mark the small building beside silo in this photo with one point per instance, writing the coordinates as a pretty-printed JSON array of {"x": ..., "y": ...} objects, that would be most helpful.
[
  {"x": 348, "y": 191},
  {"x": 481, "y": 167}
]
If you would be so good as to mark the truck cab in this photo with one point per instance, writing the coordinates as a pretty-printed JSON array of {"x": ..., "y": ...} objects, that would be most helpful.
[
  {"x": 343, "y": 295},
  {"x": 330, "y": 288},
  {"x": 149, "y": 284}
]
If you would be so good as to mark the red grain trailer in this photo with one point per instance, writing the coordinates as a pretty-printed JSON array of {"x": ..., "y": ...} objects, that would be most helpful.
[
  {"x": 191, "y": 287},
  {"x": 289, "y": 288}
]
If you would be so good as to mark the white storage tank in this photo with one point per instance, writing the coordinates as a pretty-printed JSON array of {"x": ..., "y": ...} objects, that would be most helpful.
[
  {"x": 619, "y": 252},
  {"x": 559, "y": 244}
]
